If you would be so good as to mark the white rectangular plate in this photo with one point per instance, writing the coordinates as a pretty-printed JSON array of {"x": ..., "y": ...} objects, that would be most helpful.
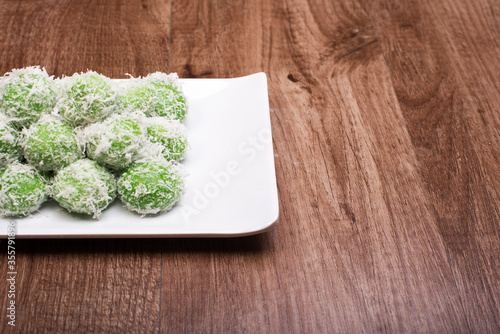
[{"x": 230, "y": 184}]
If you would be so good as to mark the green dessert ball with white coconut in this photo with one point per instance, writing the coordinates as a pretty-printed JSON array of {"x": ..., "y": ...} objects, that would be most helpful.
[
  {"x": 22, "y": 190},
  {"x": 151, "y": 186},
  {"x": 9, "y": 144},
  {"x": 158, "y": 94},
  {"x": 116, "y": 142},
  {"x": 84, "y": 187},
  {"x": 50, "y": 144},
  {"x": 27, "y": 94},
  {"x": 171, "y": 135},
  {"x": 86, "y": 98},
  {"x": 137, "y": 94}
]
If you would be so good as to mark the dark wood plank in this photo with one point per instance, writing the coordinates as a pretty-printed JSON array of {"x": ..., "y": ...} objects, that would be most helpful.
[
  {"x": 357, "y": 248},
  {"x": 443, "y": 58},
  {"x": 110, "y": 37},
  {"x": 86, "y": 286}
]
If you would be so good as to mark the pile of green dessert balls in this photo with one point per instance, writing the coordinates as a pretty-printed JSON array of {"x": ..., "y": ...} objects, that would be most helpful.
[{"x": 85, "y": 139}]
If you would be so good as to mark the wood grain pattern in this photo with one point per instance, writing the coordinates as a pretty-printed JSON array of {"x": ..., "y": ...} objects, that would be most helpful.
[
  {"x": 386, "y": 136},
  {"x": 356, "y": 197},
  {"x": 84, "y": 286},
  {"x": 110, "y": 37},
  {"x": 445, "y": 85}
]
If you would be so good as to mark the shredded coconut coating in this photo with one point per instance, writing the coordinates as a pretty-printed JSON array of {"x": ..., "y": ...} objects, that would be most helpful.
[
  {"x": 137, "y": 95},
  {"x": 84, "y": 187},
  {"x": 9, "y": 144},
  {"x": 86, "y": 98},
  {"x": 151, "y": 186},
  {"x": 116, "y": 142},
  {"x": 50, "y": 144},
  {"x": 171, "y": 135},
  {"x": 26, "y": 94},
  {"x": 158, "y": 94},
  {"x": 22, "y": 190}
]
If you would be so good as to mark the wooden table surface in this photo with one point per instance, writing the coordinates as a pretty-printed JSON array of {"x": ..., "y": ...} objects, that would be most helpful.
[{"x": 386, "y": 125}]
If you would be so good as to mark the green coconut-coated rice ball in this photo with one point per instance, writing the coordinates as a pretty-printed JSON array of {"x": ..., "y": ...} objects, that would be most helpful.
[
  {"x": 151, "y": 186},
  {"x": 86, "y": 98},
  {"x": 22, "y": 190},
  {"x": 9, "y": 144},
  {"x": 171, "y": 135},
  {"x": 50, "y": 144},
  {"x": 84, "y": 187},
  {"x": 158, "y": 94},
  {"x": 26, "y": 94},
  {"x": 116, "y": 142},
  {"x": 137, "y": 95}
]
